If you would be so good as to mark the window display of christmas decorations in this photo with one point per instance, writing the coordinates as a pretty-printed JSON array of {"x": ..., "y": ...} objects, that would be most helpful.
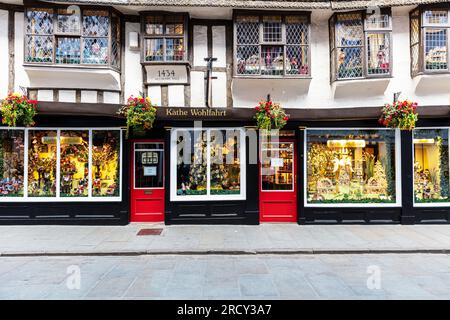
[
  {"x": 105, "y": 163},
  {"x": 400, "y": 114},
  {"x": 277, "y": 166},
  {"x": 270, "y": 115},
  {"x": 351, "y": 166},
  {"x": 139, "y": 112},
  {"x": 17, "y": 109},
  {"x": 431, "y": 166},
  {"x": 11, "y": 163}
]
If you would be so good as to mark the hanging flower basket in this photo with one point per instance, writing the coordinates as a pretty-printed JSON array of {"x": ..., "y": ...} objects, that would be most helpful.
[
  {"x": 400, "y": 114},
  {"x": 140, "y": 114},
  {"x": 17, "y": 109},
  {"x": 270, "y": 116}
]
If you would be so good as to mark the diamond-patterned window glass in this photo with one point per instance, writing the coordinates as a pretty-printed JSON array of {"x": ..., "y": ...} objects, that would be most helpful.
[
  {"x": 95, "y": 51},
  {"x": 39, "y": 21},
  {"x": 378, "y": 21},
  {"x": 436, "y": 49},
  {"x": 414, "y": 40},
  {"x": 297, "y": 60},
  {"x": 296, "y": 30},
  {"x": 349, "y": 30},
  {"x": 247, "y": 30},
  {"x": 175, "y": 49},
  {"x": 248, "y": 60},
  {"x": 154, "y": 49},
  {"x": 154, "y": 25},
  {"x": 175, "y": 25},
  {"x": 67, "y": 50},
  {"x": 436, "y": 17},
  {"x": 95, "y": 23},
  {"x": 378, "y": 57},
  {"x": 349, "y": 63},
  {"x": 115, "y": 40},
  {"x": 272, "y": 60},
  {"x": 39, "y": 49},
  {"x": 272, "y": 29},
  {"x": 68, "y": 21}
]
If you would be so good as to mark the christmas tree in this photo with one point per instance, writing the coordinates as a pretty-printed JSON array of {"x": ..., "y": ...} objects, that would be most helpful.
[{"x": 380, "y": 176}]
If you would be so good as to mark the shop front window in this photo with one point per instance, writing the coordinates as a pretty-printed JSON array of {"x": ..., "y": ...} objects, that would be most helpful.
[
  {"x": 277, "y": 169},
  {"x": 42, "y": 145},
  {"x": 148, "y": 165},
  {"x": 207, "y": 163},
  {"x": 11, "y": 163},
  {"x": 431, "y": 166},
  {"x": 351, "y": 166}
]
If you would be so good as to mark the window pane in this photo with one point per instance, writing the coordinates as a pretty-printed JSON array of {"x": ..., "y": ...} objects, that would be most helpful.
[
  {"x": 11, "y": 163},
  {"x": 95, "y": 51},
  {"x": 68, "y": 21},
  {"x": 191, "y": 162},
  {"x": 105, "y": 163},
  {"x": 68, "y": 50},
  {"x": 349, "y": 63},
  {"x": 39, "y": 49},
  {"x": 297, "y": 60},
  {"x": 174, "y": 25},
  {"x": 436, "y": 16},
  {"x": 377, "y": 21},
  {"x": 248, "y": 61},
  {"x": 378, "y": 53},
  {"x": 154, "y": 50},
  {"x": 431, "y": 166},
  {"x": 272, "y": 29},
  {"x": 42, "y": 163},
  {"x": 39, "y": 21},
  {"x": 349, "y": 37},
  {"x": 154, "y": 25},
  {"x": 247, "y": 30},
  {"x": 272, "y": 60},
  {"x": 436, "y": 49},
  {"x": 351, "y": 166},
  {"x": 225, "y": 162},
  {"x": 95, "y": 23},
  {"x": 74, "y": 163},
  {"x": 148, "y": 168},
  {"x": 277, "y": 169},
  {"x": 296, "y": 30},
  {"x": 174, "y": 49},
  {"x": 115, "y": 41}
]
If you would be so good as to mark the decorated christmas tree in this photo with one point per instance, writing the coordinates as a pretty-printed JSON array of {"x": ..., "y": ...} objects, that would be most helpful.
[{"x": 380, "y": 176}]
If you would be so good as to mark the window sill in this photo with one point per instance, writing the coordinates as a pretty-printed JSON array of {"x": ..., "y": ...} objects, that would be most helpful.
[
  {"x": 359, "y": 87},
  {"x": 73, "y": 77},
  {"x": 431, "y": 83},
  {"x": 259, "y": 77},
  {"x": 165, "y": 63}
]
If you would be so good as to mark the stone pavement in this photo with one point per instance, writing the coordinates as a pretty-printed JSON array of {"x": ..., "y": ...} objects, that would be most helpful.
[
  {"x": 225, "y": 239},
  {"x": 324, "y": 276}
]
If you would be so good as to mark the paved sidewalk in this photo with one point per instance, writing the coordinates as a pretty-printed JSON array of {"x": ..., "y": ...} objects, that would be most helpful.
[{"x": 266, "y": 238}]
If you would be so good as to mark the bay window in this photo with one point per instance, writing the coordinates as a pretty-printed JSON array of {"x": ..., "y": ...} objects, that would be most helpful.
[
  {"x": 431, "y": 166},
  {"x": 72, "y": 36},
  {"x": 60, "y": 164},
  {"x": 429, "y": 41},
  {"x": 272, "y": 44},
  {"x": 352, "y": 166},
  {"x": 208, "y": 164},
  {"x": 360, "y": 45}
]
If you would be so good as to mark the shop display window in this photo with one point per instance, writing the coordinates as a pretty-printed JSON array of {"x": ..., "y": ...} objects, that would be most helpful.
[
  {"x": 431, "y": 166},
  {"x": 277, "y": 166},
  {"x": 148, "y": 165},
  {"x": 11, "y": 163},
  {"x": 207, "y": 164},
  {"x": 351, "y": 166}
]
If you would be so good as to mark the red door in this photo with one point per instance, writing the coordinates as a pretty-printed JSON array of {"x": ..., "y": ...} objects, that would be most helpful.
[
  {"x": 278, "y": 182},
  {"x": 147, "y": 181}
]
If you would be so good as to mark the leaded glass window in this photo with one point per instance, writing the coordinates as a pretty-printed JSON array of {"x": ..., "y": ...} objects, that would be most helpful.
[
  {"x": 164, "y": 37},
  {"x": 272, "y": 45},
  {"x": 360, "y": 45},
  {"x": 72, "y": 35}
]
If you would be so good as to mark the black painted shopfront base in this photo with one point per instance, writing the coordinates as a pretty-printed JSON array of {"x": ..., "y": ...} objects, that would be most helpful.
[{"x": 350, "y": 215}]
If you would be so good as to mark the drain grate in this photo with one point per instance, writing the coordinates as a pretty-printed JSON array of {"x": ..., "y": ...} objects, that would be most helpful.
[{"x": 150, "y": 232}]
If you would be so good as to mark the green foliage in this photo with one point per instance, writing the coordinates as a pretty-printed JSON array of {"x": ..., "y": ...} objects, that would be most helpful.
[
  {"x": 140, "y": 114},
  {"x": 17, "y": 109},
  {"x": 401, "y": 114},
  {"x": 270, "y": 115}
]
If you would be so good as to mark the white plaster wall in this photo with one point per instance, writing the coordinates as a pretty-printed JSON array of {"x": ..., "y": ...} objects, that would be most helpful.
[
  {"x": 88, "y": 96},
  {"x": 4, "y": 57},
  {"x": 45, "y": 95},
  {"x": 67, "y": 95},
  {"x": 197, "y": 89},
  {"x": 20, "y": 77},
  {"x": 200, "y": 45},
  {"x": 219, "y": 90},
  {"x": 219, "y": 46},
  {"x": 154, "y": 92},
  {"x": 111, "y": 97},
  {"x": 176, "y": 95},
  {"x": 133, "y": 68}
]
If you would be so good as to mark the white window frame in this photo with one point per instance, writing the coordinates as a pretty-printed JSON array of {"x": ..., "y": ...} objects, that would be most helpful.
[
  {"x": 294, "y": 173},
  {"x": 429, "y": 204},
  {"x": 398, "y": 177},
  {"x": 151, "y": 150},
  {"x": 207, "y": 196},
  {"x": 57, "y": 197}
]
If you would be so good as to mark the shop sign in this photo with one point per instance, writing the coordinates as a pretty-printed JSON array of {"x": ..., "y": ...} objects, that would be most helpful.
[
  {"x": 276, "y": 162},
  {"x": 196, "y": 113},
  {"x": 160, "y": 74},
  {"x": 149, "y": 171}
]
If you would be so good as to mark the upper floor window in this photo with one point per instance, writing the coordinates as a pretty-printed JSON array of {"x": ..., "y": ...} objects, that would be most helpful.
[
  {"x": 72, "y": 36},
  {"x": 165, "y": 37},
  {"x": 429, "y": 40},
  {"x": 360, "y": 45},
  {"x": 272, "y": 45}
]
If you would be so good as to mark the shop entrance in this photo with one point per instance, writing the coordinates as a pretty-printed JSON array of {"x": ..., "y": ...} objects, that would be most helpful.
[
  {"x": 147, "y": 181},
  {"x": 278, "y": 183}
]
